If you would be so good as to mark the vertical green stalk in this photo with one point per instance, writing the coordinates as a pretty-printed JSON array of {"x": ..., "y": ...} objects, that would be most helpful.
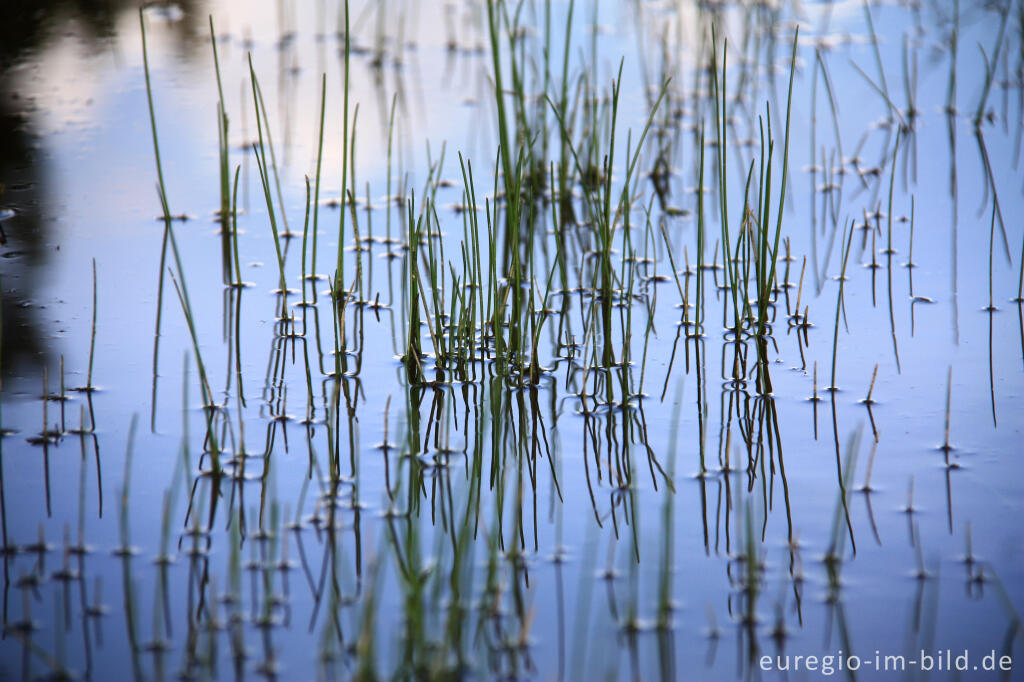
[
  {"x": 339, "y": 282},
  {"x": 166, "y": 217},
  {"x": 316, "y": 190},
  {"x": 222, "y": 134},
  {"x": 848, "y": 234},
  {"x": 721, "y": 122},
  {"x": 763, "y": 312},
  {"x": 262, "y": 167},
  {"x": 234, "y": 229},
  {"x": 92, "y": 335},
  {"x": 699, "y": 313}
]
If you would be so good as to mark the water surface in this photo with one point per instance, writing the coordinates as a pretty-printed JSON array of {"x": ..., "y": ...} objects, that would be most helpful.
[{"x": 656, "y": 516}]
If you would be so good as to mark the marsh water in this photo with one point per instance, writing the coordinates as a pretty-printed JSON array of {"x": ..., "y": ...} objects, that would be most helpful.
[{"x": 562, "y": 437}]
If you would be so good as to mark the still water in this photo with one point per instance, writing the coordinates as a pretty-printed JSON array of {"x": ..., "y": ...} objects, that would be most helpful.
[{"x": 202, "y": 479}]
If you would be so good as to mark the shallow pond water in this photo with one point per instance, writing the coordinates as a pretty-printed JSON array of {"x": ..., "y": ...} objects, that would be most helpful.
[{"x": 565, "y": 472}]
